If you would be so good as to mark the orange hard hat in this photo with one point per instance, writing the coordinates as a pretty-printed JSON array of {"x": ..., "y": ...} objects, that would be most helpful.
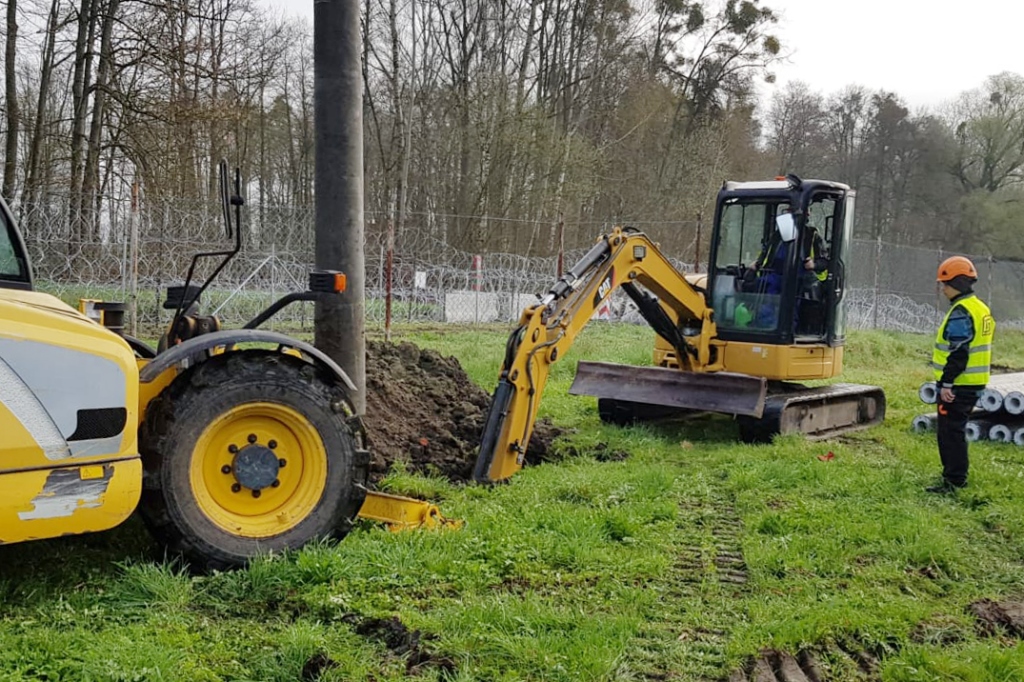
[{"x": 955, "y": 266}]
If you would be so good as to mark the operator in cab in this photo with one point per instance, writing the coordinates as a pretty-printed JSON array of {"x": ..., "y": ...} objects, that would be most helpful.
[{"x": 766, "y": 275}]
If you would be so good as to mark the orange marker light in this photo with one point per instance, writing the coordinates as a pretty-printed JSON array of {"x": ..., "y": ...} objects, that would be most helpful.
[{"x": 340, "y": 282}]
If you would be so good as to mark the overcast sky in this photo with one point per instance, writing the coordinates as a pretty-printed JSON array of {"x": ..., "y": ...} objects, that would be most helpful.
[{"x": 927, "y": 51}]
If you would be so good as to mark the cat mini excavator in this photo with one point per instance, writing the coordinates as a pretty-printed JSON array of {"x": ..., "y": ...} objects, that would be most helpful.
[
  {"x": 734, "y": 341},
  {"x": 229, "y": 442}
]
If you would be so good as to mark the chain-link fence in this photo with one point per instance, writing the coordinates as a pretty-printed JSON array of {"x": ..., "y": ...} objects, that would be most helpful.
[{"x": 135, "y": 254}]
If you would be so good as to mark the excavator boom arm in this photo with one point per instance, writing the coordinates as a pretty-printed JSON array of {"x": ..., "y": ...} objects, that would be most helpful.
[{"x": 623, "y": 258}]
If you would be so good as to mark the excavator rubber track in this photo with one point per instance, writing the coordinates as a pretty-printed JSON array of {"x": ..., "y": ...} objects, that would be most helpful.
[
  {"x": 628, "y": 394},
  {"x": 818, "y": 413}
]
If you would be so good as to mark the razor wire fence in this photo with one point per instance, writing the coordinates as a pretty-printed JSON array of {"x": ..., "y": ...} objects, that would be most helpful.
[{"x": 134, "y": 255}]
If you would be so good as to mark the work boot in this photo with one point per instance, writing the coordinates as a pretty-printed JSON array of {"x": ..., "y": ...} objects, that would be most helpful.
[{"x": 945, "y": 487}]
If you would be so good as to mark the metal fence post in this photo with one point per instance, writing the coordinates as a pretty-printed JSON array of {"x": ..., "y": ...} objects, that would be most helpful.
[
  {"x": 389, "y": 279},
  {"x": 696, "y": 255},
  {"x": 878, "y": 267},
  {"x": 990, "y": 267},
  {"x": 560, "y": 264},
  {"x": 133, "y": 307}
]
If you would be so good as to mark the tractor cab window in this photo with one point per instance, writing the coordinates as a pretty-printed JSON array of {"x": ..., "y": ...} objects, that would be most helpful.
[
  {"x": 13, "y": 271},
  {"x": 754, "y": 242}
]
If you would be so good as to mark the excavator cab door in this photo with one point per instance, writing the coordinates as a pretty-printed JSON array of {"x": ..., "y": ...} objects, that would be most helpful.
[
  {"x": 820, "y": 234},
  {"x": 841, "y": 232}
]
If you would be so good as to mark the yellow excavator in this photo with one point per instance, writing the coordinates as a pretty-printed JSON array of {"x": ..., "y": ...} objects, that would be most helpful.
[
  {"x": 768, "y": 313},
  {"x": 230, "y": 442}
]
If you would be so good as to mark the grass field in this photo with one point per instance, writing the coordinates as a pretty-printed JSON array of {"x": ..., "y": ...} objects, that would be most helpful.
[{"x": 647, "y": 553}]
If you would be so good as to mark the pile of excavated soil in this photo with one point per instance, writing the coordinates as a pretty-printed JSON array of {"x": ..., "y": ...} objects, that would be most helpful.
[{"x": 422, "y": 409}]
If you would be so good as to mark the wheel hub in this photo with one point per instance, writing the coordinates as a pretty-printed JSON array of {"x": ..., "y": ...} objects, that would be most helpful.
[{"x": 256, "y": 467}]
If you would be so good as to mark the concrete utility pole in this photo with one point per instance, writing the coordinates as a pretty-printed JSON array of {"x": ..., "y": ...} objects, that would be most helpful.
[{"x": 338, "y": 118}]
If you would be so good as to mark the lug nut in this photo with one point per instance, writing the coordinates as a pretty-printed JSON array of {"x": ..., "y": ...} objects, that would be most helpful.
[
  {"x": 282, "y": 463},
  {"x": 232, "y": 448},
  {"x": 272, "y": 444},
  {"x": 236, "y": 487},
  {"x": 275, "y": 483},
  {"x": 252, "y": 437},
  {"x": 255, "y": 493},
  {"x": 226, "y": 469}
]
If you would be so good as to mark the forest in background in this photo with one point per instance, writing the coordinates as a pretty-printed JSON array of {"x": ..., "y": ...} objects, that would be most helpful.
[{"x": 484, "y": 114}]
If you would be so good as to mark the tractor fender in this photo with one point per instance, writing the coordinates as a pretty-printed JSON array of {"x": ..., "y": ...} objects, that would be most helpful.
[{"x": 193, "y": 350}]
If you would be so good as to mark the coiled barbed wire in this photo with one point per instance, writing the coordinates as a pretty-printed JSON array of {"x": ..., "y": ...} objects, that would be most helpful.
[{"x": 133, "y": 256}]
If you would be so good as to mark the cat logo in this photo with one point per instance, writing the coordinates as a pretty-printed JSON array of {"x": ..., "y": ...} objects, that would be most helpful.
[{"x": 604, "y": 288}]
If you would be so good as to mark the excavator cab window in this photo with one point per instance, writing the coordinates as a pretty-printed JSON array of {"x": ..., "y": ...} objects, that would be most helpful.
[
  {"x": 750, "y": 265},
  {"x": 14, "y": 273}
]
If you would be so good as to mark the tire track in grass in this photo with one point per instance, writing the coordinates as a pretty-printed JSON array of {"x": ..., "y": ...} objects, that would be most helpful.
[{"x": 685, "y": 637}]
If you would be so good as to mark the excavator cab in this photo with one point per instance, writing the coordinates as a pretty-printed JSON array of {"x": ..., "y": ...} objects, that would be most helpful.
[{"x": 760, "y": 284}]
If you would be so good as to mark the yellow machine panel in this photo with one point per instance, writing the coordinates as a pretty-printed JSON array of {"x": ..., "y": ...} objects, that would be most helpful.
[
  {"x": 48, "y": 503},
  {"x": 781, "y": 363},
  {"x": 68, "y": 387},
  {"x": 789, "y": 363}
]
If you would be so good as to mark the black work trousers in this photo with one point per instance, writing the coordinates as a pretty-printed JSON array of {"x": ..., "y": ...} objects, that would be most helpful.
[{"x": 951, "y": 429}]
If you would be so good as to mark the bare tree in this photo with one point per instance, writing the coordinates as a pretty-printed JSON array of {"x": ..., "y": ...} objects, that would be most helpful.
[
  {"x": 795, "y": 126},
  {"x": 989, "y": 125},
  {"x": 11, "y": 101}
]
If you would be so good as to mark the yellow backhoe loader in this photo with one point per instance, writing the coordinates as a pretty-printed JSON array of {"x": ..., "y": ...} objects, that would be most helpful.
[
  {"x": 768, "y": 313},
  {"x": 230, "y": 442}
]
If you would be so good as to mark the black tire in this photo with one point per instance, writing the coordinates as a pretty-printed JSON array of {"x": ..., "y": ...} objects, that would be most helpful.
[{"x": 206, "y": 398}]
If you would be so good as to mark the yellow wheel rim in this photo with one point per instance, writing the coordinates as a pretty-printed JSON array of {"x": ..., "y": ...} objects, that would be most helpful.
[{"x": 249, "y": 438}]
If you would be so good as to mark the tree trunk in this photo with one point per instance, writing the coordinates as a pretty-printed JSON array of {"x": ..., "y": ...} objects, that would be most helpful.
[
  {"x": 32, "y": 184},
  {"x": 91, "y": 172},
  {"x": 11, "y": 93},
  {"x": 80, "y": 87}
]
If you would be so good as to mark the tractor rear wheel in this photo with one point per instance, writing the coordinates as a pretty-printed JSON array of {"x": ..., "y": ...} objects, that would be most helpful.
[{"x": 250, "y": 452}]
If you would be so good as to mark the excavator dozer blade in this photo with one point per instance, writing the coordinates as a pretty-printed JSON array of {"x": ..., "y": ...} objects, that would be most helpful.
[{"x": 725, "y": 392}]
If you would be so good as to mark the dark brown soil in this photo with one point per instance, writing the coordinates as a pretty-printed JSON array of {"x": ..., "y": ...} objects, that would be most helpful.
[
  {"x": 1003, "y": 619},
  {"x": 403, "y": 642},
  {"x": 316, "y": 666},
  {"x": 993, "y": 617},
  {"x": 778, "y": 666},
  {"x": 422, "y": 409}
]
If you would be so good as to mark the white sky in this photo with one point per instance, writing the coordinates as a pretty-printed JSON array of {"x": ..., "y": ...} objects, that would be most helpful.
[{"x": 927, "y": 51}]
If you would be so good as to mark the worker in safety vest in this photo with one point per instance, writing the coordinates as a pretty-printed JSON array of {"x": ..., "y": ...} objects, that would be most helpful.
[
  {"x": 817, "y": 259},
  {"x": 766, "y": 274},
  {"x": 961, "y": 360}
]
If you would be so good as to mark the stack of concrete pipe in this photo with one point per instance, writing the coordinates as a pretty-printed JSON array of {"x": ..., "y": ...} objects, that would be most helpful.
[{"x": 998, "y": 415}]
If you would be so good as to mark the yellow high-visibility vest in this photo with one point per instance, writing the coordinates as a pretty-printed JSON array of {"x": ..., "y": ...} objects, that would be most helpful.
[
  {"x": 823, "y": 275},
  {"x": 979, "y": 354}
]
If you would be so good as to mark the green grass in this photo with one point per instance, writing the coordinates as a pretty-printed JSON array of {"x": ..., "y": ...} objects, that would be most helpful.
[{"x": 581, "y": 569}]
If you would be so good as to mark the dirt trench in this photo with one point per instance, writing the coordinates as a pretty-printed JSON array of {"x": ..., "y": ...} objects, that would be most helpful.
[{"x": 423, "y": 409}]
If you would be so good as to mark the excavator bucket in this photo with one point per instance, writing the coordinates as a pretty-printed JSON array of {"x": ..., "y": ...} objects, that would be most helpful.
[{"x": 725, "y": 392}]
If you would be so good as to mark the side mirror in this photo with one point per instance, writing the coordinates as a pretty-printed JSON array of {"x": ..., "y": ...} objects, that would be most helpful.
[
  {"x": 224, "y": 198},
  {"x": 228, "y": 200}
]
